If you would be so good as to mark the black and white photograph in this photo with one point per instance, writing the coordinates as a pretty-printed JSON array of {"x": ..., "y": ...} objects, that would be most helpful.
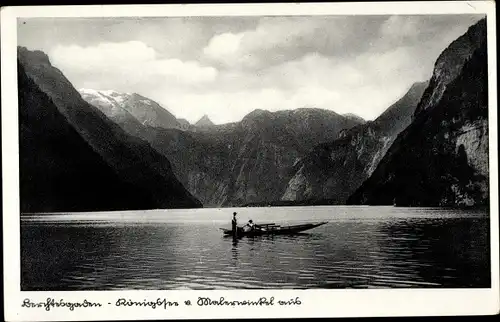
[{"x": 254, "y": 152}]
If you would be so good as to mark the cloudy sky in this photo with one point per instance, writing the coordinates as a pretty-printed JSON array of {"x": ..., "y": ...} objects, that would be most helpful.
[{"x": 226, "y": 67}]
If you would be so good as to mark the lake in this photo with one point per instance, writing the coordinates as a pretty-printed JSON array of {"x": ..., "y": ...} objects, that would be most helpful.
[{"x": 360, "y": 247}]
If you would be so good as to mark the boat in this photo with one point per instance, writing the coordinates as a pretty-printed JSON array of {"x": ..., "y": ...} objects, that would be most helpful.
[{"x": 273, "y": 229}]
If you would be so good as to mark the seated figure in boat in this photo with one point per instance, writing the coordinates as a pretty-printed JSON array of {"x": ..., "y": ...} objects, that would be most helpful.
[{"x": 249, "y": 226}]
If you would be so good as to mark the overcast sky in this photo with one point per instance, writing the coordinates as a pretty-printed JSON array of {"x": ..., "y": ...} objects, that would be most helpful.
[{"x": 226, "y": 67}]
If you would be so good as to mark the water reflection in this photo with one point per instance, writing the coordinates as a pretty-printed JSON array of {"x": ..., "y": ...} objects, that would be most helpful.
[
  {"x": 405, "y": 251},
  {"x": 234, "y": 251}
]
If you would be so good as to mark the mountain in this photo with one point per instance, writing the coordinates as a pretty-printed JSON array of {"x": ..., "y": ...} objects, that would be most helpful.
[
  {"x": 132, "y": 159},
  {"x": 113, "y": 107},
  {"x": 355, "y": 117},
  {"x": 249, "y": 161},
  {"x": 204, "y": 122},
  {"x": 184, "y": 124},
  {"x": 118, "y": 105},
  {"x": 271, "y": 144},
  {"x": 441, "y": 158},
  {"x": 58, "y": 170},
  {"x": 450, "y": 62},
  {"x": 332, "y": 171},
  {"x": 135, "y": 114}
]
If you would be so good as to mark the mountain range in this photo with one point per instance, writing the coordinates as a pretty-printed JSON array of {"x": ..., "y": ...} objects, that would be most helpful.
[
  {"x": 222, "y": 165},
  {"x": 429, "y": 148}
]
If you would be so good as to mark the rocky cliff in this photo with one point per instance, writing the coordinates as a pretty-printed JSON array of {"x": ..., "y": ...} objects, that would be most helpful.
[
  {"x": 332, "y": 171},
  {"x": 449, "y": 64},
  {"x": 441, "y": 159},
  {"x": 132, "y": 159}
]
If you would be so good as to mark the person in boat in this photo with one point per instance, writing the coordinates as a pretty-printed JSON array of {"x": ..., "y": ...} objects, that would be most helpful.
[
  {"x": 249, "y": 226},
  {"x": 234, "y": 225}
]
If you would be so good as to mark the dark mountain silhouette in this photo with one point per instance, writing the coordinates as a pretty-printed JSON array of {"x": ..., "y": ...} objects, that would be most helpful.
[
  {"x": 441, "y": 159},
  {"x": 132, "y": 159},
  {"x": 450, "y": 62},
  {"x": 59, "y": 171}
]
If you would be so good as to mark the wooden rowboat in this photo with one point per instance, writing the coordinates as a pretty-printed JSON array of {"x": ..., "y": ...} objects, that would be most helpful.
[{"x": 273, "y": 229}]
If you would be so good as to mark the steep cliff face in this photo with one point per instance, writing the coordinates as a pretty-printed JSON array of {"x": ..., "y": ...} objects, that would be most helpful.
[
  {"x": 449, "y": 64},
  {"x": 441, "y": 159},
  {"x": 131, "y": 158},
  {"x": 59, "y": 171},
  {"x": 332, "y": 171}
]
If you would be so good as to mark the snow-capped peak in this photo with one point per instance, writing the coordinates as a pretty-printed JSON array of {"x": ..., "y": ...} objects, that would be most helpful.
[
  {"x": 110, "y": 97},
  {"x": 118, "y": 105},
  {"x": 110, "y": 92},
  {"x": 88, "y": 91}
]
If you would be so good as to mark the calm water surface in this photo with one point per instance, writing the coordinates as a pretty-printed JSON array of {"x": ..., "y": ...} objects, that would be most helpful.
[{"x": 360, "y": 247}]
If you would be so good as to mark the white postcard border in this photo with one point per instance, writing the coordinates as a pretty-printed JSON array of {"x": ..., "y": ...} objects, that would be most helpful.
[{"x": 315, "y": 303}]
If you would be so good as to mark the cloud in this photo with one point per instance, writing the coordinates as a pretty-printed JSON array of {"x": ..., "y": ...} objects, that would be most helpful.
[
  {"x": 127, "y": 64},
  {"x": 226, "y": 44},
  {"x": 103, "y": 54},
  {"x": 228, "y": 66},
  {"x": 366, "y": 84},
  {"x": 276, "y": 40},
  {"x": 279, "y": 39},
  {"x": 173, "y": 37}
]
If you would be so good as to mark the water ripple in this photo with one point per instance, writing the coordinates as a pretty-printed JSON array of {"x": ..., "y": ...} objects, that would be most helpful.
[{"x": 406, "y": 249}]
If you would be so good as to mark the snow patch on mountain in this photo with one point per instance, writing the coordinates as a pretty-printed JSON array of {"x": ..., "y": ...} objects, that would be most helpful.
[{"x": 119, "y": 106}]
